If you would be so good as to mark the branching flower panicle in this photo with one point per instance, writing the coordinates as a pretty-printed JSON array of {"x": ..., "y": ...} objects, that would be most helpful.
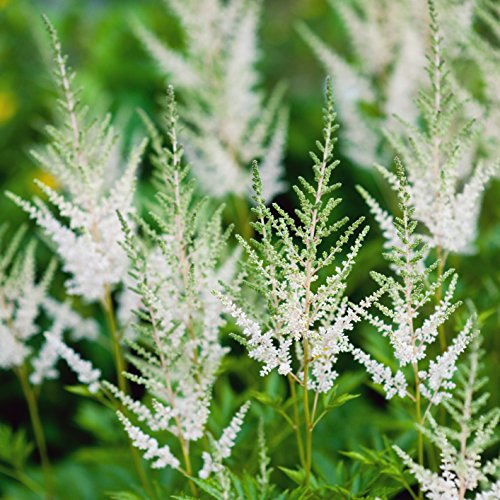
[
  {"x": 383, "y": 76},
  {"x": 23, "y": 300},
  {"x": 303, "y": 322},
  {"x": 177, "y": 349},
  {"x": 227, "y": 121},
  {"x": 83, "y": 156},
  {"x": 445, "y": 188},
  {"x": 212, "y": 462},
  {"x": 409, "y": 330},
  {"x": 286, "y": 262},
  {"x": 462, "y": 469}
]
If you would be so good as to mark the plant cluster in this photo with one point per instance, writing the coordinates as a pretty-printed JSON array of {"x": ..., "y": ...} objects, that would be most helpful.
[{"x": 177, "y": 302}]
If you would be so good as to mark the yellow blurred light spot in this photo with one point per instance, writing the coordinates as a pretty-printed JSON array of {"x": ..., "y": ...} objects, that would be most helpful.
[
  {"x": 3, "y": 4},
  {"x": 47, "y": 179},
  {"x": 8, "y": 105}
]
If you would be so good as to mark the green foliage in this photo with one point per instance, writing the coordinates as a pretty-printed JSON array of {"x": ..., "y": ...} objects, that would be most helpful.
[
  {"x": 14, "y": 447},
  {"x": 354, "y": 426}
]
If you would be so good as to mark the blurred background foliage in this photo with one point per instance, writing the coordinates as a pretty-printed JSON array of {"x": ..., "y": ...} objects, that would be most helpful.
[{"x": 116, "y": 74}]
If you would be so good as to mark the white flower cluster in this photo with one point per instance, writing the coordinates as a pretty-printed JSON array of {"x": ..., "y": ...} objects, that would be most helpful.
[
  {"x": 387, "y": 40},
  {"x": 173, "y": 271},
  {"x": 21, "y": 298},
  {"x": 260, "y": 345},
  {"x": 212, "y": 463},
  {"x": 228, "y": 123},
  {"x": 163, "y": 299},
  {"x": 483, "y": 52},
  {"x": 158, "y": 419},
  {"x": 82, "y": 157},
  {"x": 326, "y": 345},
  {"x": 390, "y": 41},
  {"x": 410, "y": 333},
  {"x": 86, "y": 373},
  {"x": 448, "y": 206},
  {"x": 302, "y": 316},
  {"x": 446, "y": 189},
  {"x": 22, "y": 301},
  {"x": 161, "y": 455},
  {"x": 446, "y": 182},
  {"x": 462, "y": 445},
  {"x": 394, "y": 384},
  {"x": 64, "y": 319},
  {"x": 387, "y": 227},
  {"x": 461, "y": 470},
  {"x": 438, "y": 378}
]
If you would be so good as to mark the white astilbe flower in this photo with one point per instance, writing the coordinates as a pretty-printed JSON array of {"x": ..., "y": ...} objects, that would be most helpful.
[
  {"x": 21, "y": 298},
  {"x": 445, "y": 186},
  {"x": 484, "y": 52},
  {"x": 438, "y": 378},
  {"x": 212, "y": 463},
  {"x": 351, "y": 88},
  {"x": 385, "y": 222},
  {"x": 326, "y": 345},
  {"x": 461, "y": 446},
  {"x": 409, "y": 331},
  {"x": 176, "y": 348},
  {"x": 161, "y": 455},
  {"x": 383, "y": 75},
  {"x": 64, "y": 319},
  {"x": 86, "y": 373},
  {"x": 227, "y": 120},
  {"x": 141, "y": 411},
  {"x": 381, "y": 374},
  {"x": 492, "y": 494},
  {"x": 284, "y": 265},
  {"x": 386, "y": 38},
  {"x": 82, "y": 156},
  {"x": 260, "y": 345}
]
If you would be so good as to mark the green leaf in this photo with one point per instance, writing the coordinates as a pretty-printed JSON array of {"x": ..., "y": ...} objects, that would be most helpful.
[
  {"x": 14, "y": 447},
  {"x": 297, "y": 476},
  {"x": 80, "y": 390},
  {"x": 208, "y": 486}
]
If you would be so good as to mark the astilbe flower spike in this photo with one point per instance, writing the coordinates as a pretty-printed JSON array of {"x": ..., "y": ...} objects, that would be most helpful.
[
  {"x": 23, "y": 300},
  {"x": 227, "y": 120},
  {"x": 176, "y": 348},
  {"x": 409, "y": 292},
  {"x": 462, "y": 469},
  {"x": 212, "y": 462},
  {"x": 412, "y": 374},
  {"x": 84, "y": 157},
  {"x": 444, "y": 181},
  {"x": 378, "y": 84},
  {"x": 304, "y": 322},
  {"x": 284, "y": 267}
]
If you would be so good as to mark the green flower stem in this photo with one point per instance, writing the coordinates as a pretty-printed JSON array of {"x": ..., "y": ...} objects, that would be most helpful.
[
  {"x": 418, "y": 416},
  {"x": 37, "y": 427},
  {"x": 120, "y": 366},
  {"x": 242, "y": 216},
  {"x": 441, "y": 256},
  {"x": 296, "y": 420},
  {"x": 307, "y": 416}
]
